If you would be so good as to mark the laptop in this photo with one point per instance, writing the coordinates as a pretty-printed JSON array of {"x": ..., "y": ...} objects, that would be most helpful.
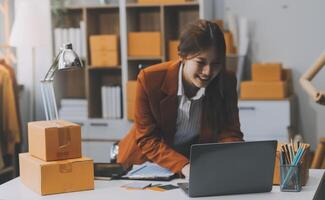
[{"x": 231, "y": 168}]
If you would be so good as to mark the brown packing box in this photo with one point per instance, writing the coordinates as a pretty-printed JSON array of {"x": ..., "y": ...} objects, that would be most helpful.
[
  {"x": 54, "y": 140},
  {"x": 130, "y": 110},
  {"x": 267, "y": 72},
  {"x": 104, "y": 59},
  {"x": 144, "y": 44},
  {"x": 263, "y": 90},
  {"x": 131, "y": 90},
  {"x": 230, "y": 49},
  {"x": 103, "y": 43},
  {"x": 56, "y": 176},
  {"x": 304, "y": 167},
  {"x": 173, "y": 52}
]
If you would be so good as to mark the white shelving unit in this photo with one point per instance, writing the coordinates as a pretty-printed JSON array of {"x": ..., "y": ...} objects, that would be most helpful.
[{"x": 99, "y": 133}]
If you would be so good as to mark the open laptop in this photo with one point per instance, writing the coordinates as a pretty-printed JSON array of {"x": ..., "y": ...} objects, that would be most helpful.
[{"x": 231, "y": 168}]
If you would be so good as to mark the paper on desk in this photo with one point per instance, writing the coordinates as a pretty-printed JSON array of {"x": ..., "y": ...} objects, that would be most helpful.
[{"x": 148, "y": 170}]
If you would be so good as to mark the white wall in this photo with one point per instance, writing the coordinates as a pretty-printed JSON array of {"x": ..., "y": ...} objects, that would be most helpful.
[
  {"x": 43, "y": 58},
  {"x": 293, "y": 32}
]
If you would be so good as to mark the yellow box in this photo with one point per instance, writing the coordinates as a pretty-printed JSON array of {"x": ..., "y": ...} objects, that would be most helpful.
[
  {"x": 267, "y": 72},
  {"x": 131, "y": 92},
  {"x": 161, "y": 1},
  {"x": 304, "y": 167},
  {"x": 173, "y": 51},
  {"x": 103, "y": 43},
  {"x": 144, "y": 44},
  {"x": 130, "y": 108},
  {"x": 54, "y": 140},
  {"x": 104, "y": 59},
  {"x": 56, "y": 176},
  {"x": 263, "y": 90},
  {"x": 230, "y": 48}
]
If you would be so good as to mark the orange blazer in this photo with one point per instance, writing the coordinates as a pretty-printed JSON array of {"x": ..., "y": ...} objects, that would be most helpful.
[{"x": 152, "y": 135}]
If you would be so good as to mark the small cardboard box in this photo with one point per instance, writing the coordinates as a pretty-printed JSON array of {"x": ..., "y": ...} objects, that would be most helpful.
[
  {"x": 56, "y": 176},
  {"x": 173, "y": 51},
  {"x": 267, "y": 72},
  {"x": 230, "y": 48},
  {"x": 304, "y": 167},
  {"x": 54, "y": 140},
  {"x": 104, "y": 59},
  {"x": 131, "y": 92},
  {"x": 103, "y": 43},
  {"x": 144, "y": 44},
  {"x": 130, "y": 105},
  {"x": 263, "y": 90}
]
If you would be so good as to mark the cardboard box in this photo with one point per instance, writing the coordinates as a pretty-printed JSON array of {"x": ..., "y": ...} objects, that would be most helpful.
[
  {"x": 267, "y": 72},
  {"x": 103, "y": 43},
  {"x": 54, "y": 140},
  {"x": 173, "y": 51},
  {"x": 263, "y": 90},
  {"x": 56, "y": 176},
  {"x": 104, "y": 59},
  {"x": 131, "y": 92},
  {"x": 130, "y": 106},
  {"x": 304, "y": 167},
  {"x": 230, "y": 48},
  {"x": 161, "y": 1},
  {"x": 144, "y": 44}
]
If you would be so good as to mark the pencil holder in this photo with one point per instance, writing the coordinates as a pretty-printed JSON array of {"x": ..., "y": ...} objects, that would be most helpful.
[{"x": 291, "y": 178}]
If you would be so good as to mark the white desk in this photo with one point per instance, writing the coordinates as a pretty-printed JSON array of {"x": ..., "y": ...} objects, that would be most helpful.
[{"x": 105, "y": 190}]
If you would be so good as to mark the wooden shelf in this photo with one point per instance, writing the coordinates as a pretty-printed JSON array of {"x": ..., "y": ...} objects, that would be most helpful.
[
  {"x": 137, "y": 5},
  {"x": 95, "y": 6},
  {"x": 168, "y": 19},
  {"x": 92, "y": 68},
  {"x": 132, "y": 58}
]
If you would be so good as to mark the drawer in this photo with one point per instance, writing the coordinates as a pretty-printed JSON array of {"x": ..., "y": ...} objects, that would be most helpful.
[
  {"x": 99, "y": 151},
  {"x": 264, "y": 119},
  {"x": 107, "y": 129}
]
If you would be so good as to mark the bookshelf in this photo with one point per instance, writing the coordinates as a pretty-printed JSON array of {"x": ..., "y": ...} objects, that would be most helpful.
[{"x": 121, "y": 19}]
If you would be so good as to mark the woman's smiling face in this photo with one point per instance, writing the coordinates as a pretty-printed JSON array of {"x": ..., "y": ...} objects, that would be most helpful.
[{"x": 200, "y": 70}]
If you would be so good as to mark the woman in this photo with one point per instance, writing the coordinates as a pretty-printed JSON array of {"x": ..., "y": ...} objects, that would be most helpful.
[{"x": 183, "y": 102}]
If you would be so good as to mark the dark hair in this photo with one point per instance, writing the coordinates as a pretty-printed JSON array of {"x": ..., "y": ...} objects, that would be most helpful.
[{"x": 199, "y": 36}]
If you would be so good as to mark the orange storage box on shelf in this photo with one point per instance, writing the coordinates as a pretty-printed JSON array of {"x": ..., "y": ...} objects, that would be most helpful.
[
  {"x": 266, "y": 72},
  {"x": 144, "y": 44},
  {"x": 131, "y": 92},
  {"x": 104, "y": 50}
]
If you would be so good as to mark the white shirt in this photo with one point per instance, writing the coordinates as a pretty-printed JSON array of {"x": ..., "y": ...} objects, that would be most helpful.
[{"x": 189, "y": 111}]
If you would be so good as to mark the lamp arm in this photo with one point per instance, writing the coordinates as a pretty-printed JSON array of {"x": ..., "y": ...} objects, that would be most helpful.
[
  {"x": 307, "y": 77},
  {"x": 54, "y": 67}
]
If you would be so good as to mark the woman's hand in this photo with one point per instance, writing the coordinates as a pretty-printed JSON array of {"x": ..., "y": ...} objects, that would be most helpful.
[{"x": 186, "y": 171}]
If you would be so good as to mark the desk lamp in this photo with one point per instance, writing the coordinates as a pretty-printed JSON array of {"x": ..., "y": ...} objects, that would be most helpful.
[{"x": 67, "y": 59}]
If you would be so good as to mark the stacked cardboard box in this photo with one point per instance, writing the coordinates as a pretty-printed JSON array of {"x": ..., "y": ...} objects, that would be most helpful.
[
  {"x": 131, "y": 90},
  {"x": 54, "y": 163},
  {"x": 104, "y": 50},
  {"x": 144, "y": 44},
  {"x": 268, "y": 82}
]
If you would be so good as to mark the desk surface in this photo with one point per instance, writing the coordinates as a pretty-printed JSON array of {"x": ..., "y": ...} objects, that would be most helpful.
[{"x": 15, "y": 190}]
